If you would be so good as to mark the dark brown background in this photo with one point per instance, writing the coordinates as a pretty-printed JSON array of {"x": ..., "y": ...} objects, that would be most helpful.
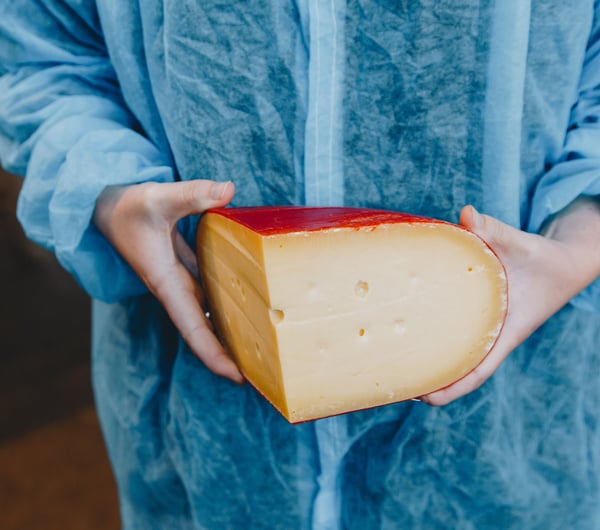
[{"x": 54, "y": 473}]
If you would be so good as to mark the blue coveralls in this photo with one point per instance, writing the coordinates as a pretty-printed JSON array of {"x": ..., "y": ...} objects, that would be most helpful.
[{"x": 419, "y": 106}]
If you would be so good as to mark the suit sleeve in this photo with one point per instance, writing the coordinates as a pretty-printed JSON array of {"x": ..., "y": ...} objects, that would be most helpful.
[
  {"x": 65, "y": 128},
  {"x": 577, "y": 171}
]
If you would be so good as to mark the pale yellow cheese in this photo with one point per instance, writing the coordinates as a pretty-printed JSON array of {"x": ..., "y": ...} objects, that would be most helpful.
[{"x": 336, "y": 320}]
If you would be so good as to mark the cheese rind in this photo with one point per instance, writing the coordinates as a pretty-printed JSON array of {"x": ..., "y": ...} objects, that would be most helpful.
[{"x": 348, "y": 315}]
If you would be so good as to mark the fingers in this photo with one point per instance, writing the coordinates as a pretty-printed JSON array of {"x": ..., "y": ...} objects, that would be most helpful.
[
  {"x": 181, "y": 297},
  {"x": 503, "y": 239},
  {"x": 180, "y": 199},
  {"x": 495, "y": 233},
  {"x": 185, "y": 254},
  {"x": 471, "y": 382},
  {"x": 512, "y": 335},
  {"x": 140, "y": 221},
  {"x": 180, "y": 294},
  {"x": 543, "y": 275}
]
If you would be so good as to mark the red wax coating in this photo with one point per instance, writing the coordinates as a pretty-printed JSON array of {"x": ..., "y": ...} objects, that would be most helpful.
[{"x": 274, "y": 220}]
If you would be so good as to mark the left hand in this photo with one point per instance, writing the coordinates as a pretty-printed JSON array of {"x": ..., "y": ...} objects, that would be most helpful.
[{"x": 544, "y": 273}]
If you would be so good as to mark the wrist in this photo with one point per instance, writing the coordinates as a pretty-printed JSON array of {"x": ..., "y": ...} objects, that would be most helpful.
[
  {"x": 105, "y": 204},
  {"x": 577, "y": 227}
]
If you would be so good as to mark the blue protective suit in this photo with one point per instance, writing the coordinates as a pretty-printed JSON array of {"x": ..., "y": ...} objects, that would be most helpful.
[{"x": 419, "y": 106}]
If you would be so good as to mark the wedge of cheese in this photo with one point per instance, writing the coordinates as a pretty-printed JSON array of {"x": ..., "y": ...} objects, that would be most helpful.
[{"x": 330, "y": 310}]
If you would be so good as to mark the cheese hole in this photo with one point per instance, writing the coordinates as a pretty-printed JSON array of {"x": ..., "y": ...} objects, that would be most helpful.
[
  {"x": 277, "y": 316},
  {"x": 400, "y": 326},
  {"x": 361, "y": 289},
  {"x": 313, "y": 292}
]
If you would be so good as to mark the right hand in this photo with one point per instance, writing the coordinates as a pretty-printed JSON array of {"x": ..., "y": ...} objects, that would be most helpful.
[
  {"x": 140, "y": 221},
  {"x": 544, "y": 273}
]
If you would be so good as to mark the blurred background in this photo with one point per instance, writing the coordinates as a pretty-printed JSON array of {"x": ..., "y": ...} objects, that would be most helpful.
[{"x": 54, "y": 472}]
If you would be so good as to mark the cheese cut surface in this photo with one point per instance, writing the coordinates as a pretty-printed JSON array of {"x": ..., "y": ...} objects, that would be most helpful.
[{"x": 330, "y": 310}]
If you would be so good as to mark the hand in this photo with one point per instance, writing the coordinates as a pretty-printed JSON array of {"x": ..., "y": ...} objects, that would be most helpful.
[
  {"x": 544, "y": 273},
  {"x": 141, "y": 223}
]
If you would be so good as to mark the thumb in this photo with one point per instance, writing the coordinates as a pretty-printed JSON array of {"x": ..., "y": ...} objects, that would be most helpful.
[
  {"x": 192, "y": 197},
  {"x": 495, "y": 233}
]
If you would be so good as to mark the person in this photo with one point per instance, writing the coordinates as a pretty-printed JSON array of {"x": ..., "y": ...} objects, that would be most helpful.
[{"x": 130, "y": 119}]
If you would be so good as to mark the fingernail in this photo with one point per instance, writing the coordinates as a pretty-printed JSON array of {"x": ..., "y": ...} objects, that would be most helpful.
[
  {"x": 218, "y": 190},
  {"x": 239, "y": 378},
  {"x": 424, "y": 399}
]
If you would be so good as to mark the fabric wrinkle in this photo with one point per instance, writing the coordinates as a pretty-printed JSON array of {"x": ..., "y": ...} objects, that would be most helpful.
[{"x": 413, "y": 106}]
